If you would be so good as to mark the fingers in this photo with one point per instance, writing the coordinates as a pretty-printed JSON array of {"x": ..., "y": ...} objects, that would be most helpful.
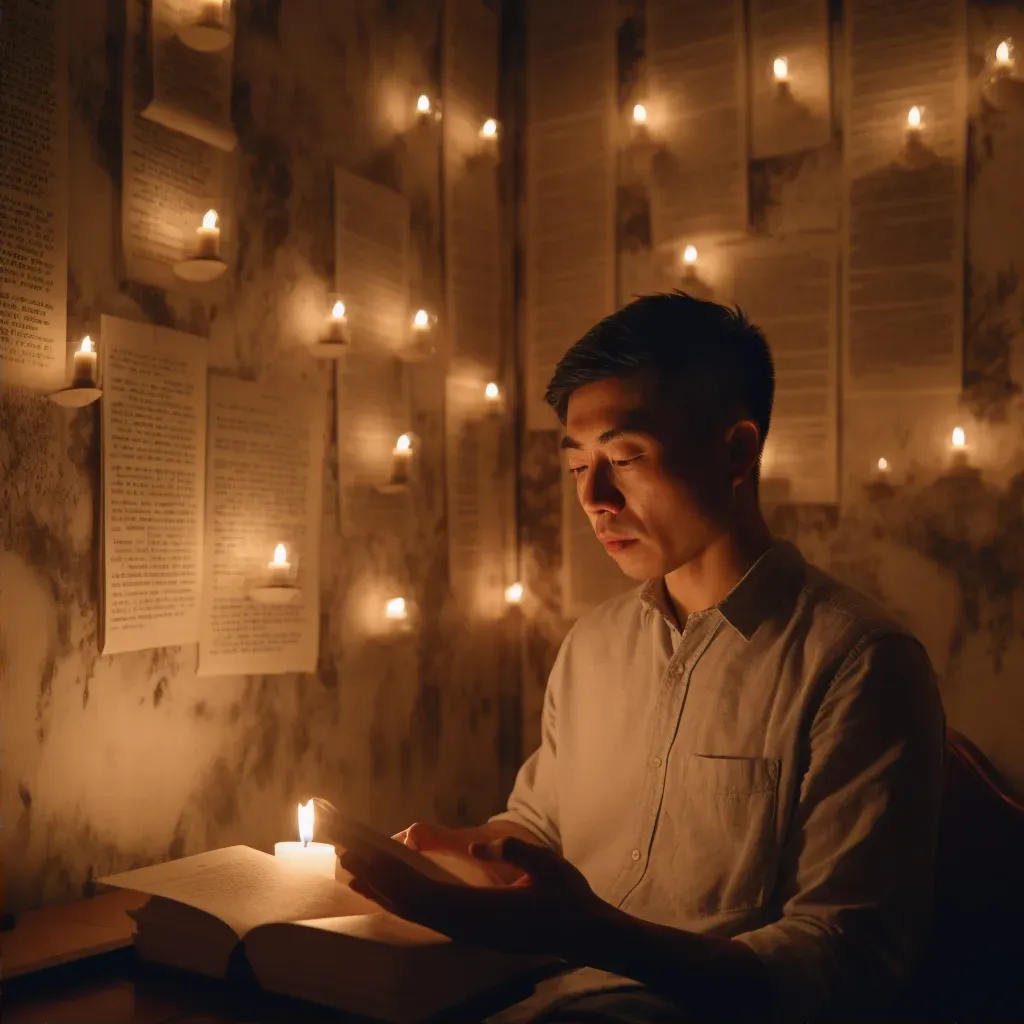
[{"x": 537, "y": 861}]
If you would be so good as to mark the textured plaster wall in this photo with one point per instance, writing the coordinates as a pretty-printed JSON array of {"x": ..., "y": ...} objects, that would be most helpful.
[
  {"x": 110, "y": 762},
  {"x": 942, "y": 547}
]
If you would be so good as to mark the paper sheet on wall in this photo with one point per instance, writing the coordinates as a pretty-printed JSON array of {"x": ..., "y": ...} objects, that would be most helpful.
[
  {"x": 792, "y": 113},
  {"x": 903, "y": 195},
  {"x": 33, "y": 193},
  {"x": 371, "y": 251},
  {"x": 154, "y": 432},
  {"x": 697, "y": 113},
  {"x": 480, "y": 501},
  {"x": 170, "y": 179},
  {"x": 571, "y": 103},
  {"x": 788, "y": 288},
  {"x": 589, "y": 574},
  {"x": 264, "y": 488},
  {"x": 191, "y": 90}
]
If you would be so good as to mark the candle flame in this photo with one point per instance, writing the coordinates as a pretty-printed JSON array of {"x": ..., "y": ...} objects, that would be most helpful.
[
  {"x": 86, "y": 345},
  {"x": 280, "y": 555},
  {"x": 338, "y": 310},
  {"x": 306, "y": 822},
  {"x": 210, "y": 220},
  {"x": 423, "y": 104},
  {"x": 395, "y": 608},
  {"x": 959, "y": 438},
  {"x": 421, "y": 319},
  {"x": 490, "y": 128},
  {"x": 1003, "y": 52},
  {"x": 514, "y": 593},
  {"x": 780, "y": 68},
  {"x": 491, "y": 391},
  {"x": 404, "y": 443},
  {"x": 883, "y": 464},
  {"x": 640, "y": 114},
  {"x": 914, "y": 117},
  {"x": 690, "y": 254}
]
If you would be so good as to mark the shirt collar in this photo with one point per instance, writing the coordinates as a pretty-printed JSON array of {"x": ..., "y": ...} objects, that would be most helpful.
[{"x": 754, "y": 597}]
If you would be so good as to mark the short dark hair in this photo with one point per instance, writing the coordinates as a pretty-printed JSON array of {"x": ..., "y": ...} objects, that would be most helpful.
[{"x": 682, "y": 341}]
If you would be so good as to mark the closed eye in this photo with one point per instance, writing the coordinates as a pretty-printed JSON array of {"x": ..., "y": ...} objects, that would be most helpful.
[{"x": 626, "y": 462}]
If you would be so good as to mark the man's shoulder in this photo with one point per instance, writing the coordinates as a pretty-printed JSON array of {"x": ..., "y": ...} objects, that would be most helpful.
[
  {"x": 613, "y": 617},
  {"x": 841, "y": 616}
]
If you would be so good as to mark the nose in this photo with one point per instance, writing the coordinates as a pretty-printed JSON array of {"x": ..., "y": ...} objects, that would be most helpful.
[{"x": 598, "y": 493}]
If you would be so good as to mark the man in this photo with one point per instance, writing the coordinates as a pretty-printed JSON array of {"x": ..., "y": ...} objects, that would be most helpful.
[{"x": 736, "y": 796}]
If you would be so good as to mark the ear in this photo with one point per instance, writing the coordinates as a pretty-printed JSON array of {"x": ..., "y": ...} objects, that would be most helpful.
[{"x": 743, "y": 442}]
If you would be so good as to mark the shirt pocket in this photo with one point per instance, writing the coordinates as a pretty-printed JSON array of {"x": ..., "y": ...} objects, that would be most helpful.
[{"x": 726, "y": 843}]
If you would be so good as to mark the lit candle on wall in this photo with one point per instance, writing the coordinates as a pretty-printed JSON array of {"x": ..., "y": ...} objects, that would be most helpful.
[
  {"x": 395, "y": 609},
  {"x": 401, "y": 459},
  {"x": 208, "y": 237},
  {"x": 883, "y": 466},
  {"x": 279, "y": 567},
  {"x": 915, "y": 119},
  {"x": 492, "y": 393},
  {"x": 84, "y": 372},
  {"x": 423, "y": 104},
  {"x": 780, "y": 69},
  {"x": 639, "y": 114},
  {"x": 489, "y": 129},
  {"x": 316, "y": 858},
  {"x": 421, "y": 320},
  {"x": 1004, "y": 55},
  {"x": 336, "y": 322},
  {"x": 514, "y": 593},
  {"x": 690, "y": 255}
]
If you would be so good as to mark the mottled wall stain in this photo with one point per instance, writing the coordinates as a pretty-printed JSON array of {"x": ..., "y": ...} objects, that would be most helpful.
[
  {"x": 112, "y": 762},
  {"x": 943, "y": 546}
]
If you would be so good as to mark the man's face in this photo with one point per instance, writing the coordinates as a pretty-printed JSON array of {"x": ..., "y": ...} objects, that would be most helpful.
[{"x": 647, "y": 484}]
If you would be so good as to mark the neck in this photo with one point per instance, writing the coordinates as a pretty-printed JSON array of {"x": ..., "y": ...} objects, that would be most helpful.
[{"x": 705, "y": 579}]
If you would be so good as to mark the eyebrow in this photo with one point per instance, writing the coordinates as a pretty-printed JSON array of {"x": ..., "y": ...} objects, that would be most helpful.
[{"x": 636, "y": 422}]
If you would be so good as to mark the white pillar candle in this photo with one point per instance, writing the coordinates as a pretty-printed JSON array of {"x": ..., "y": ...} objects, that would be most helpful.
[
  {"x": 316, "y": 858},
  {"x": 208, "y": 237},
  {"x": 84, "y": 372},
  {"x": 279, "y": 567},
  {"x": 336, "y": 322}
]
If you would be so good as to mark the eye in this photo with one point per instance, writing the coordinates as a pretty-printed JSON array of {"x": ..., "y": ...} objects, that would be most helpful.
[
  {"x": 576, "y": 470},
  {"x": 626, "y": 462}
]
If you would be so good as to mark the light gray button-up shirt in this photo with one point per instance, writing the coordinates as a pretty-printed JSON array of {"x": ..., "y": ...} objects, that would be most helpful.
[{"x": 771, "y": 773}]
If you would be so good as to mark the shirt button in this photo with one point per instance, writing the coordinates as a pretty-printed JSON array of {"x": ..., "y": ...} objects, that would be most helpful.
[
  {"x": 656, "y": 761},
  {"x": 635, "y": 855}
]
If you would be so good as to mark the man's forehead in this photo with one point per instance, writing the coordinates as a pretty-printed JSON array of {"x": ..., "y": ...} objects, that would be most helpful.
[{"x": 601, "y": 414}]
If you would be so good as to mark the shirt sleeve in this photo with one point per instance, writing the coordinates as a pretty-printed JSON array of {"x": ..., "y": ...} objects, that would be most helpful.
[
  {"x": 533, "y": 802},
  {"x": 857, "y": 873}
]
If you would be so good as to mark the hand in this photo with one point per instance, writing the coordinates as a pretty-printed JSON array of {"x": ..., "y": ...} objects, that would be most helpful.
[
  {"x": 550, "y": 909},
  {"x": 455, "y": 842}
]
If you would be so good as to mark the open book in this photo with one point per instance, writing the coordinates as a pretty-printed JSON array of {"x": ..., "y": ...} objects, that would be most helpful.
[{"x": 310, "y": 937}]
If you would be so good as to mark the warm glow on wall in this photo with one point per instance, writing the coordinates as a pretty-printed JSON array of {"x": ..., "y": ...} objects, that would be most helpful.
[
  {"x": 883, "y": 465},
  {"x": 639, "y": 114},
  {"x": 396, "y": 610},
  {"x": 489, "y": 130},
  {"x": 492, "y": 392},
  {"x": 915, "y": 118},
  {"x": 514, "y": 593},
  {"x": 780, "y": 69},
  {"x": 690, "y": 255},
  {"x": 958, "y": 438},
  {"x": 423, "y": 104}
]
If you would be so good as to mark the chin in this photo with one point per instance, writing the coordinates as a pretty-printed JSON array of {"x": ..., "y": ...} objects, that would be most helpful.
[{"x": 638, "y": 565}]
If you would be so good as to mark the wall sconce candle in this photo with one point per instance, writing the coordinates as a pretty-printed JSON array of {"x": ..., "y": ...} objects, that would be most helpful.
[
  {"x": 915, "y": 119},
  {"x": 401, "y": 456},
  {"x": 279, "y": 567},
  {"x": 883, "y": 466},
  {"x": 492, "y": 392},
  {"x": 780, "y": 69},
  {"x": 958, "y": 439},
  {"x": 84, "y": 373},
  {"x": 396, "y": 610},
  {"x": 208, "y": 236},
  {"x": 422, "y": 320},
  {"x": 206, "y": 265},
  {"x": 639, "y": 114},
  {"x": 690, "y": 255},
  {"x": 514, "y": 593},
  {"x": 1004, "y": 55},
  {"x": 489, "y": 129},
  {"x": 423, "y": 104}
]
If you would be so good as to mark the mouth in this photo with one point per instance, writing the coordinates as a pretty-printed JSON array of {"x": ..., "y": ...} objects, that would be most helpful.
[{"x": 615, "y": 544}]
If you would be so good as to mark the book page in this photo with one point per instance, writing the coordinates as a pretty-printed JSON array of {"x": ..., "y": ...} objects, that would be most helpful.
[
  {"x": 697, "y": 110},
  {"x": 263, "y": 488},
  {"x": 154, "y": 431},
  {"x": 371, "y": 252},
  {"x": 570, "y": 164},
  {"x": 33, "y": 193},
  {"x": 244, "y": 888},
  {"x": 170, "y": 179},
  {"x": 791, "y": 112},
  {"x": 191, "y": 90},
  {"x": 903, "y": 195},
  {"x": 788, "y": 288}
]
